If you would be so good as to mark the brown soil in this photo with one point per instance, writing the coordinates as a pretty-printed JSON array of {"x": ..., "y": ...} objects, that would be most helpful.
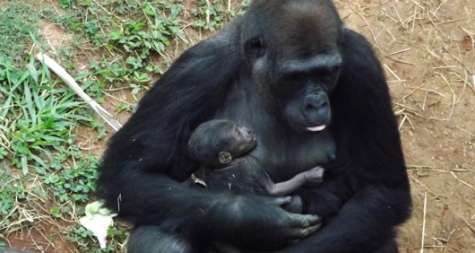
[{"x": 427, "y": 48}]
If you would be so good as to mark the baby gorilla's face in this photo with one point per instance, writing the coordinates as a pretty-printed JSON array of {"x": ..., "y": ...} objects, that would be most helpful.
[{"x": 242, "y": 141}]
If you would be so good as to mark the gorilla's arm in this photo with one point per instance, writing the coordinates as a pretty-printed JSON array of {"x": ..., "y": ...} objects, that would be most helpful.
[
  {"x": 370, "y": 162},
  {"x": 145, "y": 159}
]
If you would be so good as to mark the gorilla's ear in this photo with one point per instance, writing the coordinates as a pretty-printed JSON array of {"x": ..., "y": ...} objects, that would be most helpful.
[
  {"x": 255, "y": 48},
  {"x": 225, "y": 157}
]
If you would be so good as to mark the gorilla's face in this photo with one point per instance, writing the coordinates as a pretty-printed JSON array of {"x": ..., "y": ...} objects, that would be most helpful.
[
  {"x": 305, "y": 86},
  {"x": 296, "y": 62}
]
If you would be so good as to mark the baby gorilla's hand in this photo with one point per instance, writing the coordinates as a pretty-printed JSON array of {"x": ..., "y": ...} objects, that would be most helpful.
[{"x": 314, "y": 176}]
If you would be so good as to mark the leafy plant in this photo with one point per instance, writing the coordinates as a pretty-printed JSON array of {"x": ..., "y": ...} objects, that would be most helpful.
[
  {"x": 64, "y": 4},
  {"x": 76, "y": 182},
  {"x": 142, "y": 37},
  {"x": 15, "y": 30},
  {"x": 43, "y": 113}
]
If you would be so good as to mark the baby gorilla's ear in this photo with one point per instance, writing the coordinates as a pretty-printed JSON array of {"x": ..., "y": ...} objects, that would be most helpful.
[{"x": 225, "y": 157}]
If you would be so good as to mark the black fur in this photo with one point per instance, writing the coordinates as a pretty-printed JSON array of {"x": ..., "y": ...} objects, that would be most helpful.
[{"x": 282, "y": 67}]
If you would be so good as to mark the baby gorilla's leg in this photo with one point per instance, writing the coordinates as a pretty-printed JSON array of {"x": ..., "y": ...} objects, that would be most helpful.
[{"x": 314, "y": 176}]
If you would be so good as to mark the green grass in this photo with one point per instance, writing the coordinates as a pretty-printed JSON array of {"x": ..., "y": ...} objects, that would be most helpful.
[
  {"x": 47, "y": 161},
  {"x": 15, "y": 29}
]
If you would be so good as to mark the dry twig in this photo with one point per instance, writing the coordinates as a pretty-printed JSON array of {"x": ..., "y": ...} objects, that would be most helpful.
[
  {"x": 463, "y": 182},
  {"x": 424, "y": 223}
]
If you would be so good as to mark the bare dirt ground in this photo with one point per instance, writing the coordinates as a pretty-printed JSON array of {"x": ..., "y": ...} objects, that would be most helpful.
[{"x": 427, "y": 48}]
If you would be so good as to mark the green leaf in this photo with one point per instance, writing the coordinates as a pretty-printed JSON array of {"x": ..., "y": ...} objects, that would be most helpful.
[{"x": 116, "y": 34}]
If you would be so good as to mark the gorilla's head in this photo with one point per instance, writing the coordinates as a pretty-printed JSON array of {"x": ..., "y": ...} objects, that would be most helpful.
[{"x": 294, "y": 57}]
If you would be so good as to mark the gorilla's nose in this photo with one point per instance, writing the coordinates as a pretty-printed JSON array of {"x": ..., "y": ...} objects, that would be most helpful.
[{"x": 314, "y": 106}]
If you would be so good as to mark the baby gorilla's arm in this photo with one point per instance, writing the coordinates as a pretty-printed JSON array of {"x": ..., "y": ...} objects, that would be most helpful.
[{"x": 313, "y": 176}]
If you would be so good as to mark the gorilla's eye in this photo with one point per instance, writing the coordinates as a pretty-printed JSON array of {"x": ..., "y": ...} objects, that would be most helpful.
[
  {"x": 335, "y": 69},
  {"x": 296, "y": 77},
  {"x": 256, "y": 47},
  {"x": 255, "y": 43},
  {"x": 328, "y": 74}
]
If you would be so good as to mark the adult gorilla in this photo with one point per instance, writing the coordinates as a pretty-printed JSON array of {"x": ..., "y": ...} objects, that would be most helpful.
[{"x": 276, "y": 70}]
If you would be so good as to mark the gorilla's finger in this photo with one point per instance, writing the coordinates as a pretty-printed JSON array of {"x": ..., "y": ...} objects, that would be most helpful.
[
  {"x": 304, "y": 220},
  {"x": 301, "y": 233},
  {"x": 282, "y": 200}
]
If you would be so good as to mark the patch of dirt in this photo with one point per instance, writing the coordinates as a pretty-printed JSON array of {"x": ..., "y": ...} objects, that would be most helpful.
[
  {"x": 54, "y": 34},
  {"x": 44, "y": 238},
  {"x": 426, "y": 48}
]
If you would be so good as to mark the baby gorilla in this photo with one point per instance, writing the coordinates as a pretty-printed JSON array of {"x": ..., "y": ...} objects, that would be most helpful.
[{"x": 221, "y": 146}]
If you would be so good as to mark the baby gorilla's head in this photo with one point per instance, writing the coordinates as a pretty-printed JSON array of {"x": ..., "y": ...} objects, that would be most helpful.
[{"x": 217, "y": 142}]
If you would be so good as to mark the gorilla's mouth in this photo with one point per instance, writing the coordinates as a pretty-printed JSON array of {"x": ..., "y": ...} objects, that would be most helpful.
[{"x": 316, "y": 128}]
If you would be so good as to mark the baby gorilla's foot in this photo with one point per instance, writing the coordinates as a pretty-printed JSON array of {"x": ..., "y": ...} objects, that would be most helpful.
[{"x": 314, "y": 176}]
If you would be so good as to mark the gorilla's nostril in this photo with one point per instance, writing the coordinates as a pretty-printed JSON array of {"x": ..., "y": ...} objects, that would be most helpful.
[
  {"x": 309, "y": 108},
  {"x": 316, "y": 106},
  {"x": 323, "y": 108}
]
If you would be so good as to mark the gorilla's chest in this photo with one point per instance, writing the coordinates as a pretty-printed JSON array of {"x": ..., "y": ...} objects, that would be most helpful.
[
  {"x": 283, "y": 153},
  {"x": 284, "y": 156}
]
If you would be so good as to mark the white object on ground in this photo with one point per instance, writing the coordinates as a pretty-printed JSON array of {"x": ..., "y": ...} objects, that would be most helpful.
[{"x": 98, "y": 219}]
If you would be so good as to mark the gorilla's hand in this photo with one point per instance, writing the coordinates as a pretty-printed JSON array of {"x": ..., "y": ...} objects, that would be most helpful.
[{"x": 259, "y": 223}]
